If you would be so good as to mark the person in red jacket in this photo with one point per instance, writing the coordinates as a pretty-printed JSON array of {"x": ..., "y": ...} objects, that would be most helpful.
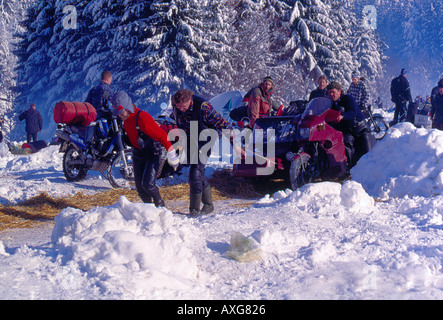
[
  {"x": 259, "y": 102},
  {"x": 146, "y": 138}
]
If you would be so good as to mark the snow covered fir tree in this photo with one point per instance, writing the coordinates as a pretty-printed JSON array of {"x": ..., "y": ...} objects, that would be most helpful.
[{"x": 155, "y": 47}]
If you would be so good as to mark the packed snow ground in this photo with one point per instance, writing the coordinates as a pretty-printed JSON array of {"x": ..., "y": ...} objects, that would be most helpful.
[{"x": 377, "y": 236}]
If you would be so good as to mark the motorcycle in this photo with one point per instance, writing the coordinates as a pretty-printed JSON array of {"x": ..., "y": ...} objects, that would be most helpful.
[
  {"x": 106, "y": 152},
  {"x": 305, "y": 146},
  {"x": 377, "y": 124},
  {"x": 321, "y": 150}
]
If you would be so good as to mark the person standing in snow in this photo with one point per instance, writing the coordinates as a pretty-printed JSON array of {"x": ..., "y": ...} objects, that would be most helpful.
[
  {"x": 400, "y": 94},
  {"x": 437, "y": 108},
  {"x": 34, "y": 123},
  {"x": 360, "y": 93},
  {"x": 356, "y": 133},
  {"x": 434, "y": 91},
  {"x": 188, "y": 110},
  {"x": 321, "y": 90},
  {"x": 99, "y": 95},
  {"x": 145, "y": 136}
]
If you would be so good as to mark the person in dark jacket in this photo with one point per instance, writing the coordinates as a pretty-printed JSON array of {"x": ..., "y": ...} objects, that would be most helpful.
[
  {"x": 99, "y": 95},
  {"x": 188, "y": 110},
  {"x": 321, "y": 90},
  {"x": 400, "y": 94},
  {"x": 356, "y": 133},
  {"x": 145, "y": 136},
  {"x": 434, "y": 91},
  {"x": 437, "y": 108},
  {"x": 34, "y": 123}
]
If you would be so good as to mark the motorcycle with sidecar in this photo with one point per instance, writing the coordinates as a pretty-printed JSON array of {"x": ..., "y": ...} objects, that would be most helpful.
[{"x": 300, "y": 148}]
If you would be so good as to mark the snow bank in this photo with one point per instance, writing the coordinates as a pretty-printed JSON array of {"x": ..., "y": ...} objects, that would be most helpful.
[
  {"x": 408, "y": 161},
  {"x": 129, "y": 246}
]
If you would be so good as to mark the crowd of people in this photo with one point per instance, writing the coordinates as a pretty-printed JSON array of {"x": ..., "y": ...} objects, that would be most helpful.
[{"x": 147, "y": 138}]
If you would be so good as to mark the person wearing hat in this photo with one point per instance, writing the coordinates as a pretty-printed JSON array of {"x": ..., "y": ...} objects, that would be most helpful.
[
  {"x": 400, "y": 94},
  {"x": 145, "y": 136},
  {"x": 359, "y": 92},
  {"x": 437, "y": 108},
  {"x": 259, "y": 100},
  {"x": 356, "y": 133}
]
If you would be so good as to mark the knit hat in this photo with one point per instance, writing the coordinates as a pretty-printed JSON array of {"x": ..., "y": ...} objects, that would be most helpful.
[
  {"x": 355, "y": 75},
  {"x": 403, "y": 71},
  {"x": 268, "y": 79},
  {"x": 120, "y": 101}
]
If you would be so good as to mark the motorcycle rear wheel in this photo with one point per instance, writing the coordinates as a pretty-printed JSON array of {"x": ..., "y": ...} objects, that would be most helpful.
[
  {"x": 117, "y": 176},
  {"x": 73, "y": 172},
  {"x": 379, "y": 127},
  {"x": 298, "y": 173}
]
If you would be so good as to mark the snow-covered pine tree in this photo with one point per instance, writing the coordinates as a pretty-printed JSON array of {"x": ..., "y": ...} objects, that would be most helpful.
[
  {"x": 156, "y": 47},
  {"x": 180, "y": 47},
  {"x": 11, "y": 13},
  {"x": 32, "y": 52},
  {"x": 249, "y": 36}
]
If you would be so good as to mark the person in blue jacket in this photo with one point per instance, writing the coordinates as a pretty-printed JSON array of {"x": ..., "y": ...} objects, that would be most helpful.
[
  {"x": 356, "y": 133},
  {"x": 34, "y": 123},
  {"x": 100, "y": 95}
]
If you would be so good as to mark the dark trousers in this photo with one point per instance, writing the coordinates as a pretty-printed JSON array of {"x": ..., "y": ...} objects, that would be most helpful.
[
  {"x": 197, "y": 178},
  {"x": 31, "y": 137},
  {"x": 400, "y": 110},
  {"x": 145, "y": 174},
  {"x": 358, "y": 144},
  {"x": 437, "y": 125}
]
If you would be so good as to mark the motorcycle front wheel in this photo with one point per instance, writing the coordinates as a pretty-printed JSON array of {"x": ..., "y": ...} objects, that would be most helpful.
[
  {"x": 118, "y": 176},
  {"x": 73, "y": 169},
  {"x": 378, "y": 127},
  {"x": 298, "y": 172}
]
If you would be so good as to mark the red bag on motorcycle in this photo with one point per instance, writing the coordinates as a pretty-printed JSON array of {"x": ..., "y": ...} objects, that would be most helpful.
[{"x": 80, "y": 113}]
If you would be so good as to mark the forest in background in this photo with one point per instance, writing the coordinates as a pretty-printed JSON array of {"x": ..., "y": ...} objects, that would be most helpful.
[{"x": 56, "y": 50}]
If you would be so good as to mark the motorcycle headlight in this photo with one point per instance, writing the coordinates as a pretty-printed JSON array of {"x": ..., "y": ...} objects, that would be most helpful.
[{"x": 303, "y": 133}]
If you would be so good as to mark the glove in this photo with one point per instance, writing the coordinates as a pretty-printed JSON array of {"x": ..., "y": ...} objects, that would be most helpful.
[{"x": 173, "y": 160}]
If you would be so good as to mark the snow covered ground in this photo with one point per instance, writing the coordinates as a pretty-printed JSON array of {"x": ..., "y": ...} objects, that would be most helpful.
[{"x": 377, "y": 236}]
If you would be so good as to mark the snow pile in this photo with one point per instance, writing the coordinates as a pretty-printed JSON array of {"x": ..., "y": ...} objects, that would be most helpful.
[
  {"x": 323, "y": 241},
  {"x": 408, "y": 161},
  {"x": 129, "y": 246}
]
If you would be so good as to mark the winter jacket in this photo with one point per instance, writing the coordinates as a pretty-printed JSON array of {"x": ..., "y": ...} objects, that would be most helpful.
[
  {"x": 34, "y": 121},
  {"x": 318, "y": 93},
  {"x": 400, "y": 90},
  {"x": 352, "y": 115},
  {"x": 150, "y": 130},
  {"x": 434, "y": 93},
  {"x": 259, "y": 104},
  {"x": 99, "y": 96},
  {"x": 437, "y": 109},
  {"x": 360, "y": 93},
  {"x": 206, "y": 117}
]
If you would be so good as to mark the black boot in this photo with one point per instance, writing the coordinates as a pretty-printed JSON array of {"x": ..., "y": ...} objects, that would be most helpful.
[
  {"x": 208, "y": 206},
  {"x": 155, "y": 194},
  {"x": 194, "y": 204}
]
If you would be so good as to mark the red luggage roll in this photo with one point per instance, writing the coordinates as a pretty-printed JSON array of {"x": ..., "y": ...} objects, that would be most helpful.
[{"x": 80, "y": 113}]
